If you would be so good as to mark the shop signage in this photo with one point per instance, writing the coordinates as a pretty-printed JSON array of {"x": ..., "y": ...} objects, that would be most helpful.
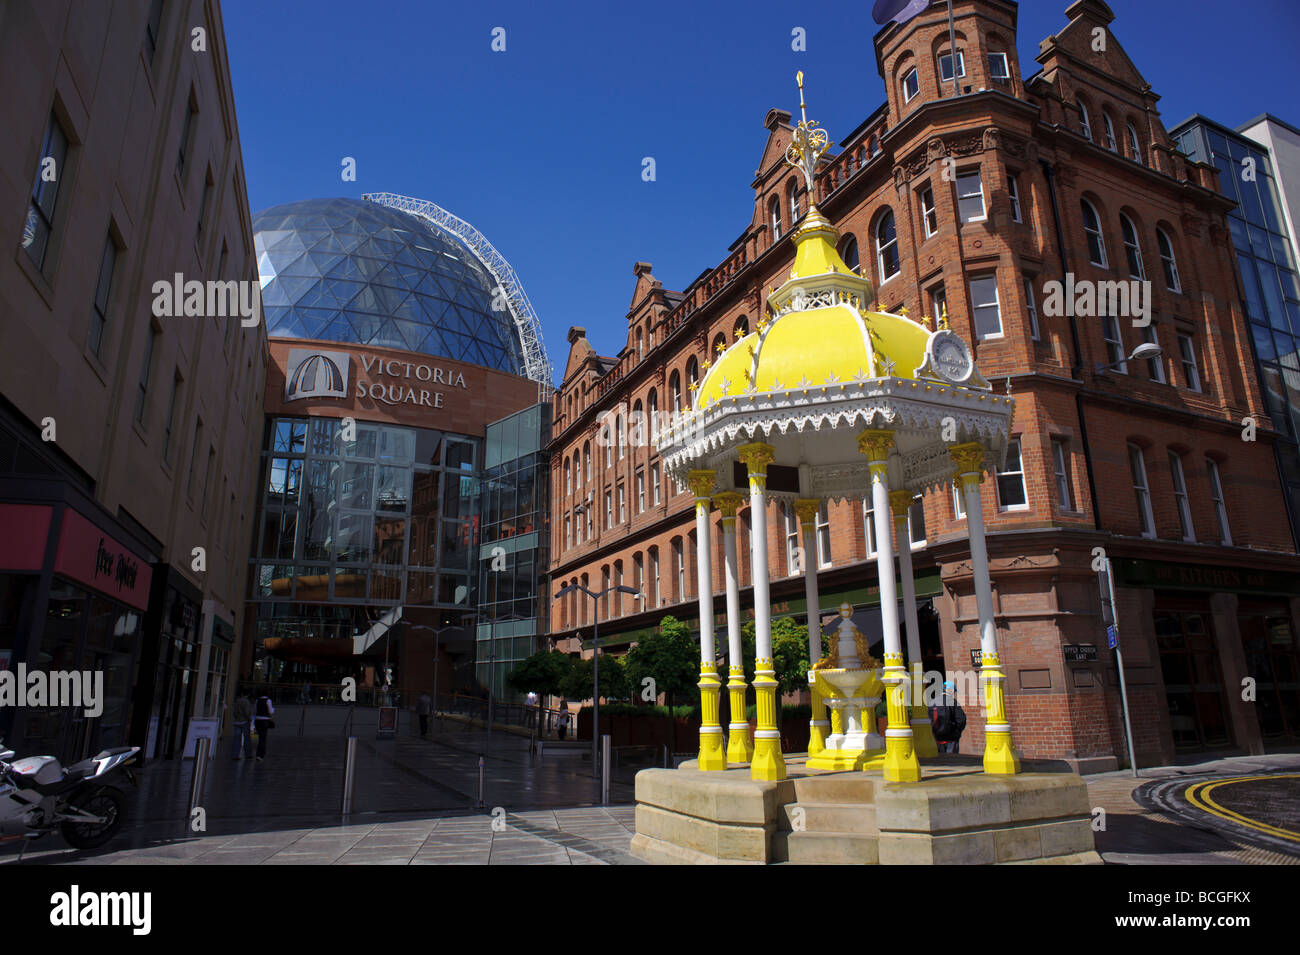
[
  {"x": 27, "y": 528},
  {"x": 1080, "y": 652},
  {"x": 977, "y": 658},
  {"x": 398, "y": 389},
  {"x": 1202, "y": 577},
  {"x": 387, "y": 723},
  {"x": 89, "y": 556}
]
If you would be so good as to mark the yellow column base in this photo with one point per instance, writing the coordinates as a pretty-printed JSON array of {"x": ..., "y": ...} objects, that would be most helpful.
[
  {"x": 713, "y": 757},
  {"x": 900, "y": 765},
  {"x": 740, "y": 744},
  {"x": 818, "y": 725},
  {"x": 768, "y": 764},
  {"x": 923, "y": 733},
  {"x": 1000, "y": 756}
]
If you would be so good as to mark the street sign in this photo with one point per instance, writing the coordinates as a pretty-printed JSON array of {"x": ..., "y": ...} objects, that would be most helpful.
[
  {"x": 977, "y": 658},
  {"x": 1112, "y": 637},
  {"x": 1080, "y": 653}
]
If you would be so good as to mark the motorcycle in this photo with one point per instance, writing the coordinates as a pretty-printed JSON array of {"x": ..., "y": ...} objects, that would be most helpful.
[{"x": 39, "y": 795}]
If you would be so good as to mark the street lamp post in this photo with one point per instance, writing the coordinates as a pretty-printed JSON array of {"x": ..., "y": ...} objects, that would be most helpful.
[
  {"x": 437, "y": 638},
  {"x": 1144, "y": 351},
  {"x": 595, "y": 657}
]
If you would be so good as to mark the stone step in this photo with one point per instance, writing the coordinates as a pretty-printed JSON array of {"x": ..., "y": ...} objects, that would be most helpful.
[
  {"x": 826, "y": 848},
  {"x": 830, "y": 817},
  {"x": 846, "y": 788}
]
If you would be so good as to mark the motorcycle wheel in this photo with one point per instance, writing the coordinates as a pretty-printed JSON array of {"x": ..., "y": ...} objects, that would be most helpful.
[{"x": 105, "y": 802}]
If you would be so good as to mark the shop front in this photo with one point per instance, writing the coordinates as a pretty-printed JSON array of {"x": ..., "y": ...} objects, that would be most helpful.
[
  {"x": 73, "y": 596},
  {"x": 1229, "y": 657}
]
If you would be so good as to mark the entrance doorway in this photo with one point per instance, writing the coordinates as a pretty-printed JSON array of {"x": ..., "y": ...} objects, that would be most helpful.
[
  {"x": 1273, "y": 662},
  {"x": 1189, "y": 662}
]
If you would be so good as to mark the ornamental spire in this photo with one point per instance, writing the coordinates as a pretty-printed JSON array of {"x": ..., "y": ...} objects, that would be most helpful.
[{"x": 809, "y": 144}]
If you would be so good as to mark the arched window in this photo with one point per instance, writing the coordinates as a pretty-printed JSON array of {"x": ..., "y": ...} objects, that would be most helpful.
[
  {"x": 568, "y": 478},
  {"x": 849, "y": 253},
  {"x": 692, "y": 377},
  {"x": 719, "y": 346},
  {"x": 675, "y": 393},
  {"x": 792, "y": 201},
  {"x": 742, "y": 326},
  {"x": 1168, "y": 261},
  {"x": 640, "y": 345},
  {"x": 887, "y": 247},
  {"x": 1132, "y": 247},
  {"x": 1109, "y": 128},
  {"x": 875, "y": 145},
  {"x": 586, "y": 461},
  {"x": 1092, "y": 227},
  {"x": 1134, "y": 147},
  {"x": 637, "y": 425},
  {"x": 652, "y": 406},
  {"x": 1084, "y": 124},
  {"x": 774, "y": 217}
]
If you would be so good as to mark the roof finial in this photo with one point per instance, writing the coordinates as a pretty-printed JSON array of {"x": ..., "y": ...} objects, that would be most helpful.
[
  {"x": 943, "y": 316},
  {"x": 808, "y": 144}
]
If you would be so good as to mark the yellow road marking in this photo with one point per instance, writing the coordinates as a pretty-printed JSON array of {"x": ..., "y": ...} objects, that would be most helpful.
[{"x": 1198, "y": 794}]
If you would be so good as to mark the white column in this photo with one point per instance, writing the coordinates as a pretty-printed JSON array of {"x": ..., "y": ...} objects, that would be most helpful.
[
  {"x": 768, "y": 763},
  {"x": 1000, "y": 756},
  {"x": 900, "y": 755},
  {"x": 740, "y": 744},
  {"x": 712, "y": 754},
  {"x": 922, "y": 731}
]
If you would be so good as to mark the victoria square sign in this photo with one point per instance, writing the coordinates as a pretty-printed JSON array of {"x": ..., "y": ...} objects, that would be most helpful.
[{"x": 324, "y": 374}]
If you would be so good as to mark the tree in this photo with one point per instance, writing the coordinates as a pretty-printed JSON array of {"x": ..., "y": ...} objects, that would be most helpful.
[
  {"x": 670, "y": 658},
  {"x": 542, "y": 673},
  {"x": 579, "y": 682},
  {"x": 789, "y": 655}
]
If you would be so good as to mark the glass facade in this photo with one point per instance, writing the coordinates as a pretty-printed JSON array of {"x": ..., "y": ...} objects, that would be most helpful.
[
  {"x": 513, "y": 547},
  {"x": 349, "y": 270},
  {"x": 385, "y": 519},
  {"x": 1266, "y": 259}
]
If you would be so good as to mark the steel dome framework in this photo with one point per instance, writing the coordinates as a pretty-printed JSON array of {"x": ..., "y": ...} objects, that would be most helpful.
[{"x": 537, "y": 365}]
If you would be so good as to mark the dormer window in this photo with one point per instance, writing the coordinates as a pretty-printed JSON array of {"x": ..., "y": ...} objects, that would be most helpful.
[
  {"x": 945, "y": 66},
  {"x": 911, "y": 85}
]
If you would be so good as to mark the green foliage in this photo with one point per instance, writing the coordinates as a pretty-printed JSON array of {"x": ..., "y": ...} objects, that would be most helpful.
[
  {"x": 578, "y": 682},
  {"x": 789, "y": 653},
  {"x": 542, "y": 673},
  {"x": 643, "y": 711},
  {"x": 671, "y": 658}
]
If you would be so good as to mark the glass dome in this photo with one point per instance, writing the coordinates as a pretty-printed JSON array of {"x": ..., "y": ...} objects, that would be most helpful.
[{"x": 348, "y": 270}]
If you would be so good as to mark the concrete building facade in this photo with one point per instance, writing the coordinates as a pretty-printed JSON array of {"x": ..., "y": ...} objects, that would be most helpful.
[
  {"x": 129, "y": 425},
  {"x": 996, "y": 201}
]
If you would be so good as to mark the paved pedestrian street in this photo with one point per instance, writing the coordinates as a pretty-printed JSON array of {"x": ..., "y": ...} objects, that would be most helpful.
[{"x": 416, "y": 803}]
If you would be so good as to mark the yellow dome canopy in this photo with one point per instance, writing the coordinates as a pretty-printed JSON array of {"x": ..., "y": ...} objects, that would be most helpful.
[{"x": 823, "y": 332}]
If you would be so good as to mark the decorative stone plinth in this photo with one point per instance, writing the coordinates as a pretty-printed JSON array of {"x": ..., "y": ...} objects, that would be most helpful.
[{"x": 684, "y": 816}]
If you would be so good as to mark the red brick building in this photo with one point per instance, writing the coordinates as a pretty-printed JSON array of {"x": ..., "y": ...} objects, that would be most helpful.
[{"x": 978, "y": 202}]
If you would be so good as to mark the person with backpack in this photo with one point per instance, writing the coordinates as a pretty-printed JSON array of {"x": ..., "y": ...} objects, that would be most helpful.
[
  {"x": 948, "y": 719},
  {"x": 241, "y": 721},
  {"x": 263, "y": 722}
]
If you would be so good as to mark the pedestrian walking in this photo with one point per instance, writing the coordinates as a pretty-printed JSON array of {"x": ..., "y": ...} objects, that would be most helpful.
[
  {"x": 948, "y": 719},
  {"x": 241, "y": 720},
  {"x": 564, "y": 719},
  {"x": 264, "y": 722},
  {"x": 423, "y": 707}
]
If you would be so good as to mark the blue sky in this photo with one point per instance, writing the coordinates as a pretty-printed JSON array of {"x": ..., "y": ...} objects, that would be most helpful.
[{"x": 541, "y": 146}]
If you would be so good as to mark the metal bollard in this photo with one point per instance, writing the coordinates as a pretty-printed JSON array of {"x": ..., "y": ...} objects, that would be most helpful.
[
  {"x": 198, "y": 782},
  {"x": 481, "y": 803},
  {"x": 665, "y": 755},
  {"x": 349, "y": 774},
  {"x": 604, "y": 769},
  {"x": 541, "y": 749}
]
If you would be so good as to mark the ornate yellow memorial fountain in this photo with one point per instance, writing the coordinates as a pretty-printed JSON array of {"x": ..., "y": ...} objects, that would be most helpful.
[{"x": 848, "y": 681}]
